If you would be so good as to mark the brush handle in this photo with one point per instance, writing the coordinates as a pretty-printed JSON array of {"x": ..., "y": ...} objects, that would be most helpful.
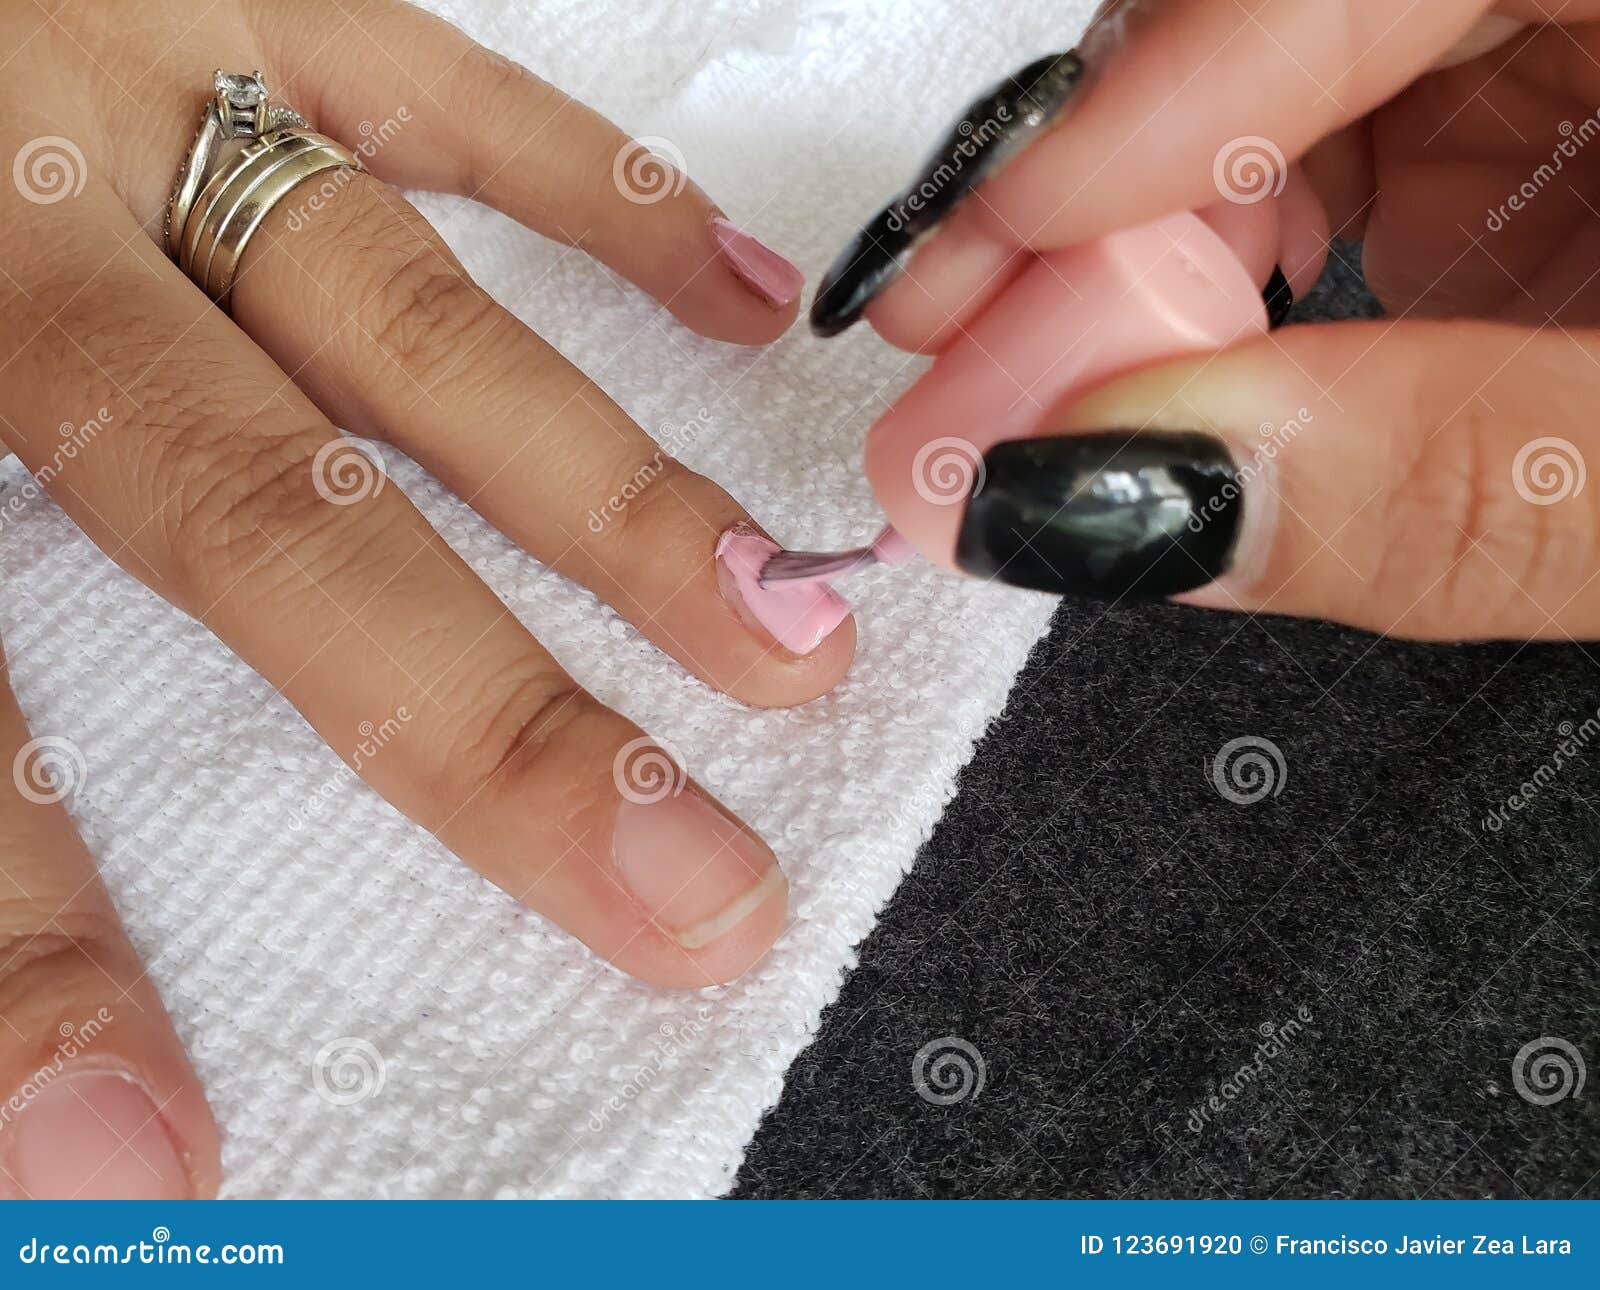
[{"x": 889, "y": 547}]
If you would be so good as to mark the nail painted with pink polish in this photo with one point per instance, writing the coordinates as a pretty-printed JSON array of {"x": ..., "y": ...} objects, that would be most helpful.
[
  {"x": 768, "y": 274},
  {"x": 93, "y": 1134},
  {"x": 798, "y": 616}
]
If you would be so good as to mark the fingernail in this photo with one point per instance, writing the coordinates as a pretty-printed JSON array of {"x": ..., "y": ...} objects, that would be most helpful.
[
  {"x": 993, "y": 129},
  {"x": 1279, "y": 296},
  {"x": 798, "y": 616},
  {"x": 1108, "y": 516},
  {"x": 92, "y": 1135},
  {"x": 772, "y": 277},
  {"x": 698, "y": 873}
]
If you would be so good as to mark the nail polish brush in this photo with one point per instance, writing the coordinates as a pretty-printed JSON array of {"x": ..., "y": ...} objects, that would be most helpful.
[{"x": 888, "y": 548}]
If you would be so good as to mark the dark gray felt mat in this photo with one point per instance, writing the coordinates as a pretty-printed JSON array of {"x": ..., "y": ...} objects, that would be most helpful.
[{"x": 1166, "y": 993}]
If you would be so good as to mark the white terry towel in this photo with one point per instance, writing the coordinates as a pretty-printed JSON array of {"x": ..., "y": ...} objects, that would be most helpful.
[{"x": 370, "y": 1017}]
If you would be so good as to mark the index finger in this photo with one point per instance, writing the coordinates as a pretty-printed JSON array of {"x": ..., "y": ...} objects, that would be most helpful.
[
  {"x": 1168, "y": 107},
  {"x": 1173, "y": 91}
]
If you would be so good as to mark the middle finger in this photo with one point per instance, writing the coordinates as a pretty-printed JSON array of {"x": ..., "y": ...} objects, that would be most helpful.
[{"x": 367, "y": 308}]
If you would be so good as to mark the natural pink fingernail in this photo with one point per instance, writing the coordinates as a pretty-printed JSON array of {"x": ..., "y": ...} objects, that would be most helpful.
[
  {"x": 92, "y": 1135},
  {"x": 798, "y": 615},
  {"x": 763, "y": 270},
  {"x": 698, "y": 873}
]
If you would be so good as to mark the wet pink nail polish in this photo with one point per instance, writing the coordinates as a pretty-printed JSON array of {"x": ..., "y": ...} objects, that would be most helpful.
[
  {"x": 799, "y": 616},
  {"x": 92, "y": 1134},
  {"x": 768, "y": 274}
]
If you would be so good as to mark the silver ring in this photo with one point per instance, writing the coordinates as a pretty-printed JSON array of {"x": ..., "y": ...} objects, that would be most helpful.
[{"x": 238, "y": 114}]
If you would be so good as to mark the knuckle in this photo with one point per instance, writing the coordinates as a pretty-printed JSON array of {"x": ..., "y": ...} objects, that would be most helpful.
[
  {"x": 487, "y": 86},
  {"x": 426, "y": 313},
  {"x": 511, "y": 727},
  {"x": 42, "y": 947},
  {"x": 654, "y": 514},
  {"x": 236, "y": 499}
]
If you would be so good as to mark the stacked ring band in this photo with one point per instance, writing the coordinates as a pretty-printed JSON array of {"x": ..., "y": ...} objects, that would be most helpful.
[{"x": 246, "y": 158}]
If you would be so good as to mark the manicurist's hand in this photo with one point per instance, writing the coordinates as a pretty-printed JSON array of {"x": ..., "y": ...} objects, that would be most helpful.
[
  {"x": 205, "y": 461},
  {"x": 1422, "y": 475}
]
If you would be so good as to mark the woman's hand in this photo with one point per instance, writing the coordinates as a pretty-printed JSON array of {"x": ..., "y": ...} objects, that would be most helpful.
[
  {"x": 1415, "y": 476},
  {"x": 216, "y": 475}
]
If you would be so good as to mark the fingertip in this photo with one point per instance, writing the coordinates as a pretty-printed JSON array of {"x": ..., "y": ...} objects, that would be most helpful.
[
  {"x": 789, "y": 680},
  {"x": 712, "y": 890},
  {"x": 734, "y": 287},
  {"x": 735, "y": 953},
  {"x": 792, "y": 643},
  {"x": 1303, "y": 232},
  {"x": 949, "y": 279}
]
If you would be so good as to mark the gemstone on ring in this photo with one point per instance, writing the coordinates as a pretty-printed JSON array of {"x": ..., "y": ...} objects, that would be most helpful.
[{"x": 243, "y": 93}]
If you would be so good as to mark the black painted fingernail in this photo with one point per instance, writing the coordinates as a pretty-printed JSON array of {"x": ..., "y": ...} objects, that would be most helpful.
[
  {"x": 993, "y": 128},
  {"x": 1110, "y": 516},
  {"x": 1279, "y": 296},
  {"x": 873, "y": 259}
]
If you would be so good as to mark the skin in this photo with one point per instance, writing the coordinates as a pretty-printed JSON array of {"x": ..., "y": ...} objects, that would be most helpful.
[
  {"x": 204, "y": 487},
  {"x": 1395, "y": 506}
]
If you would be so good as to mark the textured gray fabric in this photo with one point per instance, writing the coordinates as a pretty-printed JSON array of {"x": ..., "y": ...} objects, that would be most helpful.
[{"x": 1118, "y": 943}]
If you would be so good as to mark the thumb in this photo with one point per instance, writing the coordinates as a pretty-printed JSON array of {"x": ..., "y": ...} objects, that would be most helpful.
[
  {"x": 1426, "y": 480},
  {"x": 96, "y": 1097}
]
